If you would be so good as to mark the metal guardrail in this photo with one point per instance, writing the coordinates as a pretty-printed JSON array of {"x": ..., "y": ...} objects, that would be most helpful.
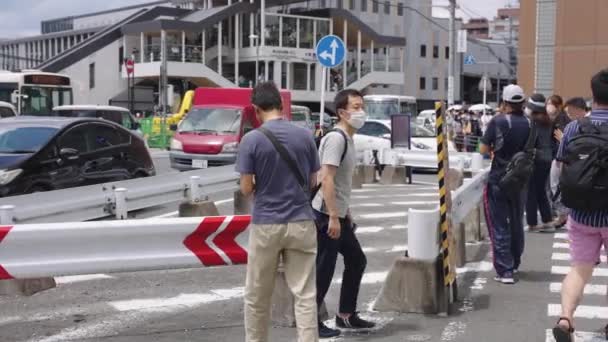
[
  {"x": 428, "y": 159},
  {"x": 467, "y": 197},
  {"x": 99, "y": 201}
]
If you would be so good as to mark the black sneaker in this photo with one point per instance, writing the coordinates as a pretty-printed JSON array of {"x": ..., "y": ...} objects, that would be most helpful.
[
  {"x": 354, "y": 322},
  {"x": 327, "y": 332}
]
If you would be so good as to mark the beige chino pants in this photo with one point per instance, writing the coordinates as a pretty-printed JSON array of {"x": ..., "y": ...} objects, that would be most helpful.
[{"x": 296, "y": 243}]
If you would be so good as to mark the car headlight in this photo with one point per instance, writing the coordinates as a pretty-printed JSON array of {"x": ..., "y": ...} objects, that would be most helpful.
[
  {"x": 7, "y": 176},
  {"x": 176, "y": 145},
  {"x": 230, "y": 147},
  {"x": 420, "y": 146}
]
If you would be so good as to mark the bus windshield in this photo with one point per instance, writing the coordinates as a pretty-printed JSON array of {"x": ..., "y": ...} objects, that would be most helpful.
[
  {"x": 41, "y": 100},
  {"x": 381, "y": 110}
]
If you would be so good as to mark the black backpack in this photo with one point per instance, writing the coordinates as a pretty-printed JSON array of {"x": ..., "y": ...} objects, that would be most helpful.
[
  {"x": 584, "y": 178},
  {"x": 520, "y": 167}
]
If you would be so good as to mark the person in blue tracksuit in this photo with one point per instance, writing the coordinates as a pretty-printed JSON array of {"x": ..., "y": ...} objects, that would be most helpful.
[{"x": 506, "y": 135}]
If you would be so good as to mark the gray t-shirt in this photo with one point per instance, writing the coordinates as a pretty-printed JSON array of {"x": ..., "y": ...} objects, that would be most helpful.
[
  {"x": 330, "y": 153},
  {"x": 278, "y": 197}
]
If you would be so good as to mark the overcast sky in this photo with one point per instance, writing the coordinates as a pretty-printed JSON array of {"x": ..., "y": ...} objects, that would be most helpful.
[{"x": 19, "y": 18}]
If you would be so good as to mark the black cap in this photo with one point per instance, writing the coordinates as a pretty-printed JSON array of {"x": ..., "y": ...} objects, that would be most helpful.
[{"x": 536, "y": 103}]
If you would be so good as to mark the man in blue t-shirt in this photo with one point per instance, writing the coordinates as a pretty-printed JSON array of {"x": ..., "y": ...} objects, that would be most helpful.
[
  {"x": 282, "y": 219},
  {"x": 506, "y": 135}
]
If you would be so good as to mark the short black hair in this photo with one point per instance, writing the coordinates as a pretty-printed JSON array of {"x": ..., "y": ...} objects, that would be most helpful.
[
  {"x": 599, "y": 87},
  {"x": 516, "y": 107},
  {"x": 577, "y": 102},
  {"x": 266, "y": 96},
  {"x": 341, "y": 100}
]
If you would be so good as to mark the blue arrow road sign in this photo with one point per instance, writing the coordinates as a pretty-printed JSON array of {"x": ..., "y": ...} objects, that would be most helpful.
[
  {"x": 470, "y": 60},
  {"x": 330, "y": 51}
]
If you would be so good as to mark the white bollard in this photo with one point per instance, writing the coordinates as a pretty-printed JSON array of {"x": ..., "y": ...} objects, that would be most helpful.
[
  {"x": 422, "y": 234},
  {"x": 196, "y": 191},
  {"x": 476, "y": 162},
  {"x": 7, "y": 214},
  {"x": 120, "y": 200}
]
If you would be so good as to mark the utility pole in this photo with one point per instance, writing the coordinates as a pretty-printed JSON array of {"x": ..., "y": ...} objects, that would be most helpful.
[{"x": 452, "y": 61}]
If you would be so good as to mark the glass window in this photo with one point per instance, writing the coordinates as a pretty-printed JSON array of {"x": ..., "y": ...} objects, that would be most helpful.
[
  {"x": 290, "y": 32},
  {"x": 422, "y": 83},
  {"x": 381, "y": 110},
  {"x": 423, "y": 51},
  {"x": 211, "y": 120},
  {"x": 363, "y": 5},
  {"x": 435, "y": 51},
  {"x": 272, "y": 32},
  {"x": 400, "y": 9},
  {"x": 127, "y": 120},
  {"x": 6, "y": 112},
  {"x": 375, "y": 6},
  {"x": 387, "y": 7},
  {"x": 91, "y": 75},
  {"x": 447, "y": 52},
  {"x": 306, "y": 31},
  {"x": 101, "y": 136},
  {"x": 19, "y": 139},
  {"x": 339, "y": 4},
  {"x": 42, "y": 100},
  {"x": 374, "y": 129},
  {"x": 435, "y": 83},
  {"x": 322, "y": 29},
  {"x": 75, "y": 138},
  {"x": 351, "y": 4},
  {"x": 111, "y": 115},
  {"x": 299, "y": 76}
]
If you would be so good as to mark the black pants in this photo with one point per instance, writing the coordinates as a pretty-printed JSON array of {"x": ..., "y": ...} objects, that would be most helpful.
[
  {"x": 537, "y": 195},
  {"x": 327, "y": 255}
]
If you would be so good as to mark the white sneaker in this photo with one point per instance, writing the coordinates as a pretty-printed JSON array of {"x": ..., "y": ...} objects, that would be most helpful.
[{"x": 505, "y": 280}]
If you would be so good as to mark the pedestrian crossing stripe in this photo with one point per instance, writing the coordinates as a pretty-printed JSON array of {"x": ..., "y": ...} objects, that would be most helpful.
[
  {"x": 566, "y": 257},
  {"x": 580, "y": 336},
  {"x": 582, "y": 311},
  {"x": 563, "y": 270},
  {"x": 590, "y": 289}
]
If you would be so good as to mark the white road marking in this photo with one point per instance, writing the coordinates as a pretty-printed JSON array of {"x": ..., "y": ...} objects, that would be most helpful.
[
  {"x": 563, "y": 236},
  {"x": 563, "y": 270},
  {"x": 367, "y": 250},
  {"x": 479, "y": 283},
  {"x": 368, "y": 230},
  {"x": 366, "y": 205},
  {"x": 369, "y": 278},
  {"x": 184, "y": 299},
  {"x": 590, "y": 289},
  {"x": 397, "y": 196},
  {"x": 224, "y": 201},
  {"x": 398, "y": 248},
  {"x": 81, "y": 278},
  {"x": 384, "y": 215},
  {"x": 452, "y": 331},
  {"x": 482, "y": 266},
  {"x": 566, "y": 257},
  {"x": 580, "y": 336},
  {"x": 399, "y": 226},
  {"x": 415, "y": 203},
  {"x": 561, "y": 245},
  {"x": 582, "y": 311}
]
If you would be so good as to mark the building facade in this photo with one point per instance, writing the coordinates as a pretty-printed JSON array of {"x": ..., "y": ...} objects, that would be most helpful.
[{"x": 562, "y": 45}]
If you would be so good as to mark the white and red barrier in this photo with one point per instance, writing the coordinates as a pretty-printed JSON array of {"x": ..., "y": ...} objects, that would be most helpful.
[{"x": 49, "y": 250}]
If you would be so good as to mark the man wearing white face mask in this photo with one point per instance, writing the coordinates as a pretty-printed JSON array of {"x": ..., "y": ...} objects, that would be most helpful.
[{"x": 336, "y": 229}]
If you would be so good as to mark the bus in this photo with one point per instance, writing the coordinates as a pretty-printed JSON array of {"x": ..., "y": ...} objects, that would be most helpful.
[
  {"x": 381, "y": 107},
  {"x": 35, "y": 92}
]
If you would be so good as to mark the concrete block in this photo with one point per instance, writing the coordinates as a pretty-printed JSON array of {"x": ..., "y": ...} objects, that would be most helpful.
[
  {"x": 26, "y": 287},
  {"x": 283, "y": 312},
  {"x": 454, "y": 179},
  {"x": 204, "y": 208},
  {"x": 242, "y": 205},
  {"x": 394, "y": 175},
  {"x": 412, "y": 286},
  {"x": 369, "y": 174},
  {"x": 472, "y": 226},
  {"x": 358, "y": 177}
]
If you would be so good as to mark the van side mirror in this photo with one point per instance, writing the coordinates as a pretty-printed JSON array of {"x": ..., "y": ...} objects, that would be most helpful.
[
  {"x": 173, "y": 127},
  {"x": 69, "y": 153}
]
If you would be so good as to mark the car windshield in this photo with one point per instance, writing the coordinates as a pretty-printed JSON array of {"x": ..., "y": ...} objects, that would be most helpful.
[
  {"x": 381, "y": 110},
  {"x": 15, "y": 139},
  {"x": 422, "y": 131},
  {"x": 298, "y": 115},
  {"x": 211, "y": 120}
]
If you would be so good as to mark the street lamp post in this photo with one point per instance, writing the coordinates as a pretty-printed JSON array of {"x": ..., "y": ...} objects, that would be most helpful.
[{"x": 256, "y": 39}]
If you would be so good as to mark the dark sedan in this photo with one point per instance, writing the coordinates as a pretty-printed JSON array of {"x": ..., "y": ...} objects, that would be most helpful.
[{"x": 41, "y": 154}]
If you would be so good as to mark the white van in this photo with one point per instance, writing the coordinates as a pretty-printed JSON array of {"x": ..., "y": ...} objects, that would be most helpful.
[
  {"x": 7, "y": 110},
  {"x": 119, "y": 115}
]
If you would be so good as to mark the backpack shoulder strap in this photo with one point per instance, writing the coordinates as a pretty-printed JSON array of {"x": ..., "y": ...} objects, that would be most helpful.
[
  {"x": 345, "y": 142},
  {"x": 585, "y": 126},
  {"x": 291, "y": 164}
]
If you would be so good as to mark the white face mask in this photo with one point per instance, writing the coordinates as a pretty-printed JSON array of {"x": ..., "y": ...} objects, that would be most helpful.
[
  {"x": 357, "y": 119},
  {"x": 528, "y": 112}
]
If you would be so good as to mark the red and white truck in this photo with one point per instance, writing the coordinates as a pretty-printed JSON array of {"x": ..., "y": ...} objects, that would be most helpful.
[{"x": 211, "y": 131}]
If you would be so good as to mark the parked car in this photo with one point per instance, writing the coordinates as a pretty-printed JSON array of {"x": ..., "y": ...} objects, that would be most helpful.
[
  {"x": 46, "y": 153},
  {"x": 119, "y": 115},
  {"x": 7, "y": 110},
  {"x": 302, "y": 116},
  {"x": 376, "y": 135},
  {"x": 210, "y": 133}
]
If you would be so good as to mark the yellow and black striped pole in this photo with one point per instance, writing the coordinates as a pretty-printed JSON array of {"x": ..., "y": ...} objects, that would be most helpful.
[{"x": 444, "y": 200}]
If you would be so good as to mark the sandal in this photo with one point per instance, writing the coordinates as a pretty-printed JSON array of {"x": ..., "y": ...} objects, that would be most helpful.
[{"x": 562, "y": 334}]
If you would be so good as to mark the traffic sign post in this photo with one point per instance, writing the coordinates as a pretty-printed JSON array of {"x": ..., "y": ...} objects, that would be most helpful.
[{"x": 330, "y": 52}]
